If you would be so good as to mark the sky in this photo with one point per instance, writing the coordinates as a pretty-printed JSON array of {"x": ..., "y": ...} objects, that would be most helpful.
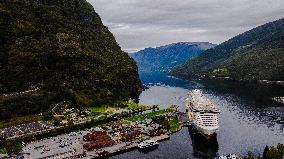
[{"x": 138, "y": 24}]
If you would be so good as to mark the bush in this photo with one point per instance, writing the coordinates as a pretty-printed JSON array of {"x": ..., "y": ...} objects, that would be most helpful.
[{"x": 274, "y": 152}]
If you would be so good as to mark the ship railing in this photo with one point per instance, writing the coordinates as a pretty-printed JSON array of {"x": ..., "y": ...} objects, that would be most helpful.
[{"x": 207, "y": 111}]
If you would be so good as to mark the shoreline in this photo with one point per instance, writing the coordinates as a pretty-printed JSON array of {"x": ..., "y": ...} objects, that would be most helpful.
[
  {"x": 242, "y": 81},
  {"x": 61, "y": 131}
]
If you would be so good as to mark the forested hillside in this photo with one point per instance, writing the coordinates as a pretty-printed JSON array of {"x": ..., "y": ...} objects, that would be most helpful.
[
  {"x": 257, "y": 54},
  {"x": 59, "y": 50}
]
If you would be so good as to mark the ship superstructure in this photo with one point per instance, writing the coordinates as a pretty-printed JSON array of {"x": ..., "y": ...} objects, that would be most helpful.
[{"x": 203, "y": 113}]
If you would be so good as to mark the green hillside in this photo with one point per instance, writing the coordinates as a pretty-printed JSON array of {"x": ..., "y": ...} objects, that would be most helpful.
[
  {"x": 257, "y": 54},
  {"x": 59, "y": 50}
]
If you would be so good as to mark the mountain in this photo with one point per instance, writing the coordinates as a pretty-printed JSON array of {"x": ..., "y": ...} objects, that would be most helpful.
[
  {"x": 166, "y": 57},
  {"x": 257, "y": 54},
  {"x": 58, "y": 50}
]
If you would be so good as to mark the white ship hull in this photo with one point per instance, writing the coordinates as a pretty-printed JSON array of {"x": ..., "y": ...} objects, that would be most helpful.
[{"x": 207, "y": 132}]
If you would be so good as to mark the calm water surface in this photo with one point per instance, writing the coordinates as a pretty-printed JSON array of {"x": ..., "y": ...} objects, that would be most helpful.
[{"x": 246, "y": 124}]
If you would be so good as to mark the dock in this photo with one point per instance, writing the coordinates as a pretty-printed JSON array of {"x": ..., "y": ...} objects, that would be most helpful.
[
  {"x": 122, "y": 147},
  {"x": 161, "y": 138},
  {"x": 279, "y": 99}
]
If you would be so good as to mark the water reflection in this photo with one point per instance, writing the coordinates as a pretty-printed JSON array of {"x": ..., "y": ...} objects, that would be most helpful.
[
  {"x": 260, "y": 94},
  {"x": 148, "y": 150},
  {"x": 202, "y": 147}
]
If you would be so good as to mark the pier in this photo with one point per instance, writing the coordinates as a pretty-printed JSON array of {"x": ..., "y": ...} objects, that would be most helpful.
[
  {"x": 279, "y": 99},
  {"x": 122, "y": 147}
]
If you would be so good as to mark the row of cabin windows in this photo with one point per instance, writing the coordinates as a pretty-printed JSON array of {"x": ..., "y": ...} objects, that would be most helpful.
[
  {"x": 207, "y": 122},
  {"x": 212, "y": 124},
  {"x": 206, "y": 118},
  {"x": 209, "y": 119}
]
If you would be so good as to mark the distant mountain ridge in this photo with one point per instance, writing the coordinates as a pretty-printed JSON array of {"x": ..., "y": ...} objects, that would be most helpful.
[
  {"x": 165, "y": 57},
  {"x": 257, "y": 54}
]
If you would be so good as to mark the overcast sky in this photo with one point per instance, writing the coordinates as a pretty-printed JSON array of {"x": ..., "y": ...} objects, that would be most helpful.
[{"x": 138, "y": 24}]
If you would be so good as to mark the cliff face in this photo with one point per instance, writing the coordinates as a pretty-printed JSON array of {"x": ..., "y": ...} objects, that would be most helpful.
[{"x": 59, "y": 50}]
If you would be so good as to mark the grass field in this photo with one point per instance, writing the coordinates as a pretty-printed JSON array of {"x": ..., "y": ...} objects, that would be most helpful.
[
  {"x": 3, "y": 150},
  {"x": 109, "y": 109},
  {"x": 135, "y": 107},
  {"x": 106, "y": 110},
  {"x": 174, "y": 124},
  {"x": 142, "y": 117}
]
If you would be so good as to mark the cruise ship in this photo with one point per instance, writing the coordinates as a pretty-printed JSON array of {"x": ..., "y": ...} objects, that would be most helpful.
[{"x": 203, "y": 113}]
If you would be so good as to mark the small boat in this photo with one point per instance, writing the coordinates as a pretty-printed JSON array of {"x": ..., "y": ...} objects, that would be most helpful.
[
  {"x": 230, "y": 156},
  {"x": 147, "y": 144}
]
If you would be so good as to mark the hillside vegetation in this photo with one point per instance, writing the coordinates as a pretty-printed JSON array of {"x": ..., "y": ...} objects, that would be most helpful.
[
  {"x": 59, "y": 50},
  {"x": 257, "y": 54}
]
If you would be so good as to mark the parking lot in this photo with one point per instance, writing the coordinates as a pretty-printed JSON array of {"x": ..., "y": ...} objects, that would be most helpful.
[
  {"x": 25, "y": 128},
  {"x": 56, "y": 147}
]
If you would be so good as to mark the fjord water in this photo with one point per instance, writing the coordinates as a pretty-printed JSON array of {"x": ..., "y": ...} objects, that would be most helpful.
[{"x": 248, "y": 120}]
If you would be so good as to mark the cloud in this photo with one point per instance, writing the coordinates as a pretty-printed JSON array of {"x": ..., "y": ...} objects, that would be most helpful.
[{"x": 137, "y": 24}]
